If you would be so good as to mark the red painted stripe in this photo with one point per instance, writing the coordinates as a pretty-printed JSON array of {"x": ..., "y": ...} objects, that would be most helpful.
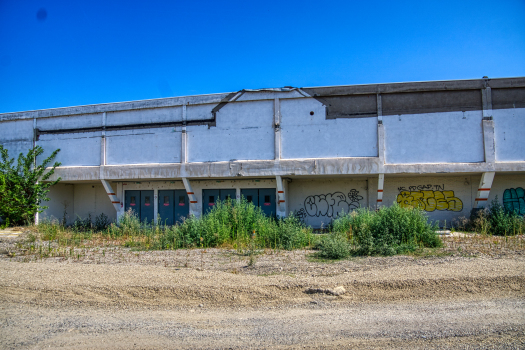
[
  {"x": 483, "y": 189},
  {"x": 191, "y": 193},
  {"x": 280, "y": 191},
  {"x": 379, "y": 190},
  {"x": 281, "y": 201},
  {"x": 379, "y": 200},
  {"x": 111, "y": 194},
  {"x": 115, "y": 202},
  {"x": 193, "y": 201},
  {"x": 481, "y": 199}
]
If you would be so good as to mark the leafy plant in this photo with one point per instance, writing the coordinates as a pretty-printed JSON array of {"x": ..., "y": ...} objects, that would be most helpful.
[{"x": 23, "y": 186}]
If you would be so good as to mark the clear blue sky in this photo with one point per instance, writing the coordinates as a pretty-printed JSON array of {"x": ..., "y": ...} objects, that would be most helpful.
[{"x": 65, "y": 53}]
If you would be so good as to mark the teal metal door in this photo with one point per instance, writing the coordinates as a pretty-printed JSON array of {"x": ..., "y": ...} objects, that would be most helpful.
[
  {"x": 146, "y": 206},
  {"x": 267, "y": 201},
  {"x": 132, "y": 201},
  {"x": 251, "y": 195},
  {"x": 209, "y": 198},
  {"x": 182, "y": 205},
  {"x": 226, "y": 194},
  {"x": 166, "y": 207}
]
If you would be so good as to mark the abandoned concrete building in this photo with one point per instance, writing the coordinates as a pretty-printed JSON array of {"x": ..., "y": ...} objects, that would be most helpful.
[{"x": 444, "y": 146}]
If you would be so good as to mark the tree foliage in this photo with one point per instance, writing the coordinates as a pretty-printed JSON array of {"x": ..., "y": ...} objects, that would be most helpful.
[{"x": 23, "y": 186}]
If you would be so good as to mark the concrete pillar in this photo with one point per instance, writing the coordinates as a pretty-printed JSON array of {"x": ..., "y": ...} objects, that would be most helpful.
[
  {"x": 380, "y": 183},
  {"x": 281, "y": 197},
  {"x": 484, "y": 187},
  {"x": 488, "y": 126},
  {"x": 277, "y": 127},
  {"x": 156, "y": 204},
  {"x": 380, "y": 133},
  {"x": 112, "y": 195},
  {"x": 184, "y": 138},
  {"x": 194, "y": 209},
  {"x": 120, "y": 194}
]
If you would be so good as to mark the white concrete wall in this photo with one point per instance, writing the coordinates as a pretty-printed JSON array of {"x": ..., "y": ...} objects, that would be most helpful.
[
  {"x": 509, "y": 129},
  {"x": 318, "y": 201},
  {"x": 70, "y": 122},
  {"x": 61, "y": 201},
  {"x": 451, "y": 137},
  {"x": 144, "y": 116},
  {"x": 16, "y": 137},
  {"x": 503, "y": 182},
  {"x": 244, "y": 132},
  {"x": 75, "y": 149},
  {"x": 313, "y": 136},
  {"x": 143, "y": 146},
  {"x": 92, "y": 199},
  {"x": 441, "y": 197}
]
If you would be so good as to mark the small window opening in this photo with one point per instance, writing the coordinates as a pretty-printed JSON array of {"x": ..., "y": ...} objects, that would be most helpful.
[
  {"x": 249, "y": 199},
  {"x": 266, "y": 199},
  {"x": 147, "y": 200},
  {"x": 211, "y": 200},
  {"x": 182, "y": 201},
  {"x": 166, "y": 201},
  {"x": 132, "y": 201}
]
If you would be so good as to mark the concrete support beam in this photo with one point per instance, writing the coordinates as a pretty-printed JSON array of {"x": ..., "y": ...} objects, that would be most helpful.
[
  {"x": 484, "y": 187},
  {"x": 194, "y": 208},
  {"x": 156, "y": 204},
  {"x": 277, "y": 127},
  {"x": 380, "y": 184},
  {"x": 184, "y": 138},
  {"x": 488, "y": 141},
  {"x": 120, "y": 194},
  {"x": 281, "y": 197},
  {"x": 112, "y": 195}
]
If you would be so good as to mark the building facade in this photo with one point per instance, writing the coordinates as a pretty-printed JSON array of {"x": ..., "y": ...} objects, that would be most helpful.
[{"x": 444, "y": 146}]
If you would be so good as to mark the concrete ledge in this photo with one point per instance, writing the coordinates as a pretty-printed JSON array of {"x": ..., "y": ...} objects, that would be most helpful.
[{"x": 271, "y": 168}]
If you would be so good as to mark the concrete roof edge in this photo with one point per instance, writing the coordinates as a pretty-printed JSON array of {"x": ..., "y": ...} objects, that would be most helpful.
[{"x": 509, "y": 82}]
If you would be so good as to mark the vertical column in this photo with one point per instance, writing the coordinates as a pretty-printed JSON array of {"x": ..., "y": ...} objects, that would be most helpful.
[
  {"x": 156, "y": 205},
  {"x": 484, "y": 187},
  {"x": 120, "y": 194},
  {"x": 380, "y": 133},
  {"x": 238, "y": 194},
  {"x": 281, "y": 197},
  {"x": 37, "y": 214},
  {"x": 380, "y": 184},
  {"x": 184, "y": 139},
  {"x": 103, "y": 141},
  {"x": 194, "y": 210},
  {"x": 488, "y": 126},
  {"x": 277, "y": 126}
]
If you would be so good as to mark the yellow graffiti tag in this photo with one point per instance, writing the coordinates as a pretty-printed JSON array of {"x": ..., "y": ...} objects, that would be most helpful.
[{"x": 430, "y": 200}]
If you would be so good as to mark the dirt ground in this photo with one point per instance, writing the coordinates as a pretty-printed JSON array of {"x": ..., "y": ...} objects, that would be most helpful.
[{"x": 107, "y": 297}]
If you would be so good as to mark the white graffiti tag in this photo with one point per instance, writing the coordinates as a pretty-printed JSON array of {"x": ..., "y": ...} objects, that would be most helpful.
[{"x": 331, "y": 204}]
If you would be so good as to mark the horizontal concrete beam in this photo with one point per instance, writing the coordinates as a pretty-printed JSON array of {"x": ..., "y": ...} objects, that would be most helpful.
[{"x": 272, "y": 168}]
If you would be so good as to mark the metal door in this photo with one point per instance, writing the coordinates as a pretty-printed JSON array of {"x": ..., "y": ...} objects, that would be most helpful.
[
  {"x": 133, "y": 201},
  {"x": 227, "y": 194},
  {"x": 251, "y": 195},
  {"x": 146, "y": 206},
  {"x": 167, "y": 207},
  {"x": 267, "y": 201},
  {"x": 209, "y": 198},
  {"x": 182, "y": 205}
]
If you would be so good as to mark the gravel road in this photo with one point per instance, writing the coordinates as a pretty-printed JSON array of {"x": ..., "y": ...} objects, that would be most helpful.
[{"x": 217, "y": 301}]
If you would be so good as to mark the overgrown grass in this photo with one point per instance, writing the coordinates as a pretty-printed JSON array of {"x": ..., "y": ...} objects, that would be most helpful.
[
  {"x": 389, "y": 231},
  {"x": 496, "y": 220},
  {"x": 238, "y": 224}
]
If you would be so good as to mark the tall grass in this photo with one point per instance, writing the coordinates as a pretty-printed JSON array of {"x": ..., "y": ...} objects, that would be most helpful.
[
  {"x": 391, "y": 230},
  {"x": 238, "y": 224}
]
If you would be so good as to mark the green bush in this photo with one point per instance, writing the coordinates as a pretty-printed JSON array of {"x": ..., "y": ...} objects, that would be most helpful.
[
  {"x": 391, "y": 230},
  {"x": 497, "y": 220},
  {"x": 23, "y": 186},
  {"x": 333, "y": 246}
]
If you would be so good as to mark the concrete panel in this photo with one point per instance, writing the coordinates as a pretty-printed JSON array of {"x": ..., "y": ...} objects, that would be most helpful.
[
  {"x": 61, "y": 204},
  {"x": 244, "y": 131},
  {"x": 313, "y": 136},
  {"x": 442, "y": 198},
  {"x": 452, "y": 137},
  {"x": 199, "y": 112},
  {"x": 92, "y": 199},
  {"x": 509, "y": 134},
  {"x": 143, "y": 116},
  {"x": 143, "y": 146},
  {"x": 75, "y": 149},
  {"x": 70, "y": 122},
  {"x": 14, "y": 148},
  {"x": 317, "y": 202},
  {"x": 21, "y": 130}
]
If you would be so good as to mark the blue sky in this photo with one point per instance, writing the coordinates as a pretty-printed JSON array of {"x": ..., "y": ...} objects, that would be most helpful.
[{"x": 65, "y": 53}]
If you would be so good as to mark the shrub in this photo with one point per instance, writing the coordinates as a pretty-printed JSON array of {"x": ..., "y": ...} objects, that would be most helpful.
[
  {"x": 497, "y": 220},
  {"x": 391, "y": 230},
  {"x": 333, "y": 246},
  {"x": 23, "y": 186}
]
